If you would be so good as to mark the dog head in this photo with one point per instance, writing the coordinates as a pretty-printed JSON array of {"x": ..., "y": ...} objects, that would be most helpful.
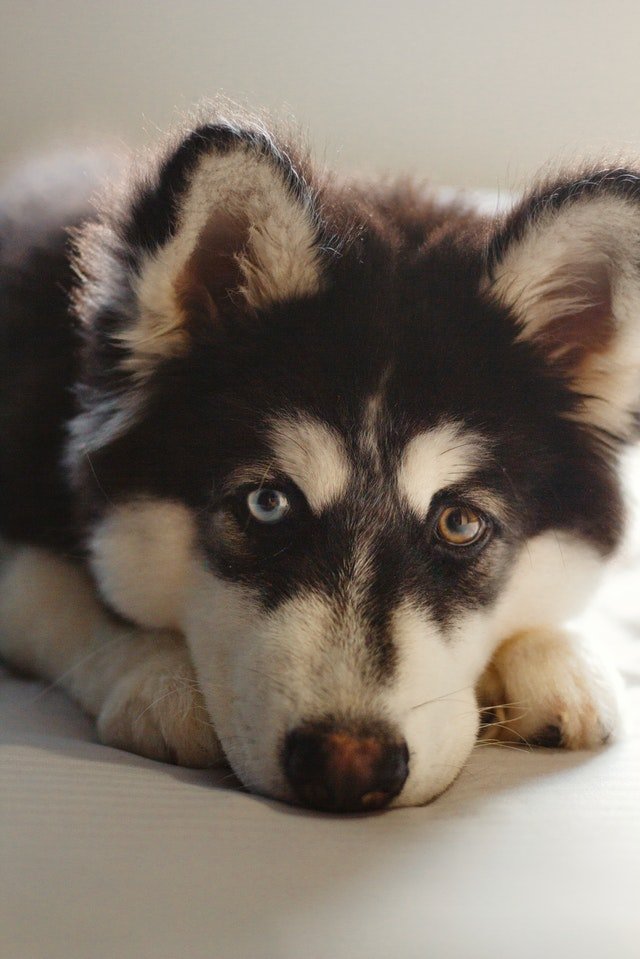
[{"x": 348, "y": 440}]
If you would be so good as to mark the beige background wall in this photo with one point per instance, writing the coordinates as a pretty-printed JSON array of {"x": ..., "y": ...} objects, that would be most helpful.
[{"x": 479, "y": 93}]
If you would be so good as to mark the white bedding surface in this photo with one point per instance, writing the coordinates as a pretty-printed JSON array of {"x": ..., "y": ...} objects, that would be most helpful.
[{"x": 105, "y": 855}]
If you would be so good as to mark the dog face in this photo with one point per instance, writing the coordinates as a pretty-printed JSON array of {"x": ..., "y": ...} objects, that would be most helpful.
[{"x": 349, "y": 441}]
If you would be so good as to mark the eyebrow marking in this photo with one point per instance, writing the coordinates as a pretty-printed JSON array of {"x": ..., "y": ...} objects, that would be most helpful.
[
  {"x": 438, "y": 458},
  {"x": 313, "y": 455}
]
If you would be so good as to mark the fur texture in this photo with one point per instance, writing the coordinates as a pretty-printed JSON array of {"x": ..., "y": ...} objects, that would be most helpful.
[{"x": 322, "y": 458}]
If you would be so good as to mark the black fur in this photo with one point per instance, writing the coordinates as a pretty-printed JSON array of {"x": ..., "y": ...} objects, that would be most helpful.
[
  {"x": 152, "y": 216},
  {"x": 39, "y": 364}
]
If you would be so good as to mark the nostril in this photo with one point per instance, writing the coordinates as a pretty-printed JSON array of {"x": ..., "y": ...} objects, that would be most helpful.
[
  {"x": 394, "y": 767},
  {"x": 303, "y": 754},
  {"x": 332, "y": 768}
]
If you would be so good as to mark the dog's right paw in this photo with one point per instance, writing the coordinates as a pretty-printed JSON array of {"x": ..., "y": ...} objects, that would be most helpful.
[
  {"x": 157, "y": 710},
  {"x": 547, "y": 688}
]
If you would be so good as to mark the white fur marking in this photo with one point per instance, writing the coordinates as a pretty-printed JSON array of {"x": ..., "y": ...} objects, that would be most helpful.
[
  {"x": 313, "y": 456},
  {"x": 140, "y": 555},
  {"x": 372, "y": 420},
  {"x": 550, "y": 582},
  {"x": 436, "y": 459}
]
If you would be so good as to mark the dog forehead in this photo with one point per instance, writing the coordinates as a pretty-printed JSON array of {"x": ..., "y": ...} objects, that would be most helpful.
[{"x": 324, "y": 462}]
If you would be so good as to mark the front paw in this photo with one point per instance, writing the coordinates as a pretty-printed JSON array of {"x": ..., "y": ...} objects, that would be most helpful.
[
  {"x": 157, "y": 710},
  {"x": 548, "y": 689}
]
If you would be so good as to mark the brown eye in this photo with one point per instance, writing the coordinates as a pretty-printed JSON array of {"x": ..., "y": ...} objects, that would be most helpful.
[{"x": 460, "y": 526}]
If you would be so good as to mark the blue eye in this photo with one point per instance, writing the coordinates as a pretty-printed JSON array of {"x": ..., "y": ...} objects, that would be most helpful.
[{"x": 267, "y": 505}]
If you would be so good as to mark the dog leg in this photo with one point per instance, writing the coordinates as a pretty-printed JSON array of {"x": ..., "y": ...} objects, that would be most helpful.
[
  {"x": 548, "y": 688},
  {"x": 139, "y": 684}
]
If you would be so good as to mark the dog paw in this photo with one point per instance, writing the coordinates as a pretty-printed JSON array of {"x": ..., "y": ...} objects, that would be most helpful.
[
  {"x": 157, "y": 710},
  {"x": 548, "y": 689}
]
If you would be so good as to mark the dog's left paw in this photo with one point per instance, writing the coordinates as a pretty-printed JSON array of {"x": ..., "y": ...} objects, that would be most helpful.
[
  {"x": 548, "y": 689},
  {"x": 156, "y": 710}
]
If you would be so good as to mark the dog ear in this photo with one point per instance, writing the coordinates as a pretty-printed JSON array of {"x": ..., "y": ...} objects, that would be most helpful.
[
  {"x": 227, "y": 223},
  {"x": 566, "y": 263}
]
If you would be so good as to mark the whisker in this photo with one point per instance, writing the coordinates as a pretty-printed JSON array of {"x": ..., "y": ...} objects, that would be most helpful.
[
  {"x": 78, "y": 663},
  {"x": 496, "y": 743},
  {"x": 504, "y": 705},
  {"x": 504, "y": 723},
  {"x": 165, "y": 695},
  {"x": 96, "y": 478},
  {"x": 437, "y": 699},
  {"x": 227, "y": 778},
  {"x": 205, "y": 722}
]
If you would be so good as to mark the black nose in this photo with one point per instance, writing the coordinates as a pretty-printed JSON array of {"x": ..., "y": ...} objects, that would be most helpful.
[{"x": 338, "y": 770}]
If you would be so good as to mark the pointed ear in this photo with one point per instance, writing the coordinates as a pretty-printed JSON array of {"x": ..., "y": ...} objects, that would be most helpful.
[
  {"x": 566, "y": 263},
  {"x": 228, "y": 223}
]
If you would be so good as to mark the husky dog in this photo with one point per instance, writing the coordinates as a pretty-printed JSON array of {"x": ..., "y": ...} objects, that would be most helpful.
[{"x": 303, "y": 474}]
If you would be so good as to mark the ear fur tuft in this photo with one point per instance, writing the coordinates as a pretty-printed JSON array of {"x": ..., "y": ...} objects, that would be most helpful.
[
  {"x": 227, "y": 219},
  {"x": 566, "y": 263}
]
